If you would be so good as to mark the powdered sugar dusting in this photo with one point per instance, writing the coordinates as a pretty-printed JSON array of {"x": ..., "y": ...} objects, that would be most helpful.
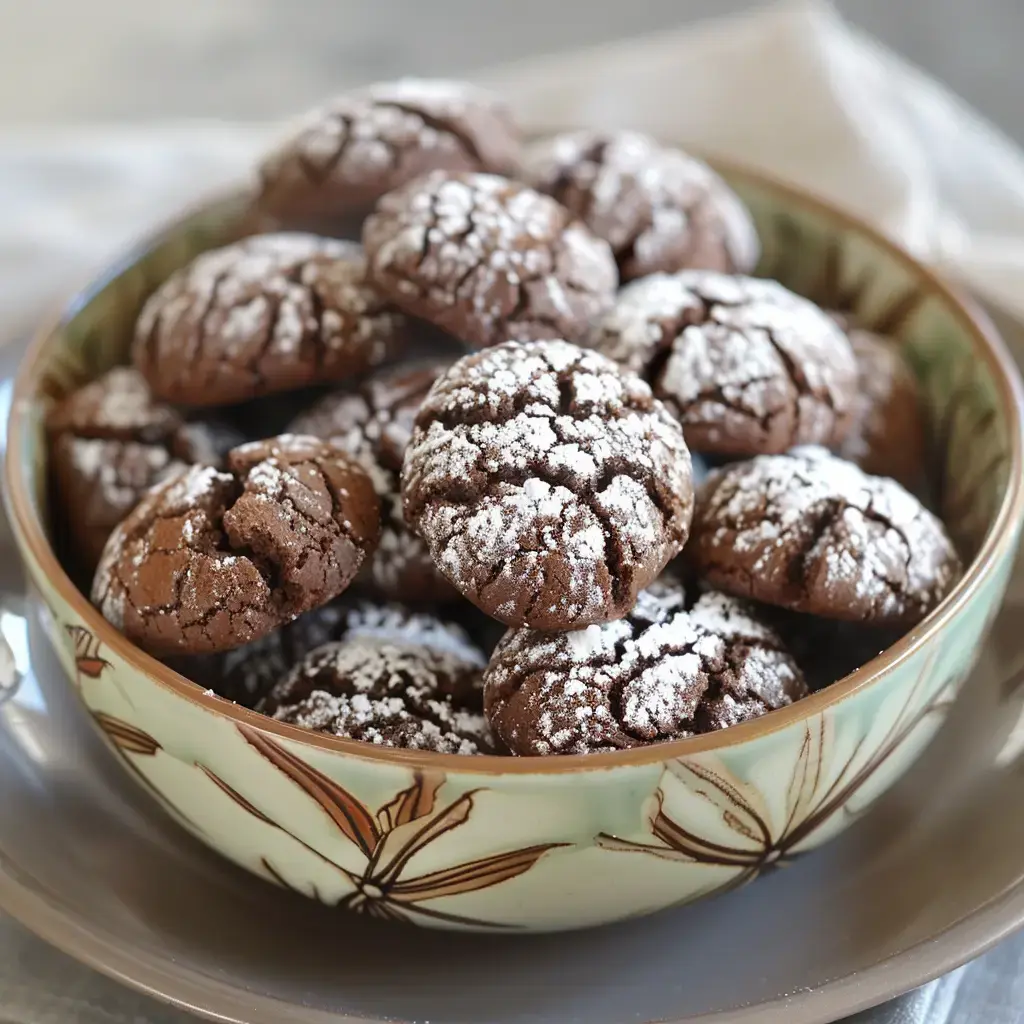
[
  {"x": 815, "y": 533},
  {"x": 488, "y": 259},
  {"x": 664, "y": 674},
  {"x": 659, "y": 209},
  {"x": 509, "y": 480},
  {"x": 289, "y": 306},
  {"x": 388, "y": 691},
  {"x": 359, "y": 145},
  {"x": 744, "y": 363}
]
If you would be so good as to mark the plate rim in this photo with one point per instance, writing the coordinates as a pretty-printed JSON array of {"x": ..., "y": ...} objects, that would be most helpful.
[{"x": 193, "y": 991}]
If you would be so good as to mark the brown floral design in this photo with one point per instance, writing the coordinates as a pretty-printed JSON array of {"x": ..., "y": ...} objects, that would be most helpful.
[
  {"x": 388, "y": 839},
  {"x": 817, "y": 791},
  {"x": 89, "y": 660}
]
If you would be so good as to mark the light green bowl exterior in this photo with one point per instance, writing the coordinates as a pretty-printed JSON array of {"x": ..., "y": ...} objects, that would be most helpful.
[{"x": 443, "y": 843}]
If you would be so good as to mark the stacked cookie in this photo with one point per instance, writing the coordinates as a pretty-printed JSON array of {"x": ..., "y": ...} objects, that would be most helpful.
[{"x": 302, "y": 442}]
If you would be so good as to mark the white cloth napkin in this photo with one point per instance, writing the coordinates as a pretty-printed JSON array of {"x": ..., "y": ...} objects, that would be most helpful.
[{"x": 792, "y": 90}]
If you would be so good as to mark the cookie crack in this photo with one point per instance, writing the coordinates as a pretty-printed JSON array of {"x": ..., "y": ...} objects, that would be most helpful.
[
  {"x": 442, "y": 125},
  {"x": 616, "y": 691},
  {"x": 318, "y": 173}
]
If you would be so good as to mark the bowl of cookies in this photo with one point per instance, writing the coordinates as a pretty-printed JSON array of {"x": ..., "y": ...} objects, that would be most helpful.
[{"x": 503, "y": 535}]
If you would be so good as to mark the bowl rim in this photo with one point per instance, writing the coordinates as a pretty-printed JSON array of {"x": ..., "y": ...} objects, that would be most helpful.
[{"x": 997, "y": 545}]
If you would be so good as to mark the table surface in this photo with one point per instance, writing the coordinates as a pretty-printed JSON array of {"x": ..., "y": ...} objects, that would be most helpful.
[{"x": 65, "y": 60}]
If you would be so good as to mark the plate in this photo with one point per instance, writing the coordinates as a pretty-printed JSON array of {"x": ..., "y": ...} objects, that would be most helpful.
[{"x": 933, "y": 876}]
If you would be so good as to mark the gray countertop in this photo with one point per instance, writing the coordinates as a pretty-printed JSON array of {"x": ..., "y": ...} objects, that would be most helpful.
[{"x": 68, "y": 60}]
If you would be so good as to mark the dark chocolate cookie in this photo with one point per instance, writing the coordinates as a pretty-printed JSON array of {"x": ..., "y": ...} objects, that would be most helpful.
[
  {"x": 270, "y": 313},
  {"x": 246, "y": 674},
  {"x": 887, "y": 433},
  {"x": 110, "y": 441},
  {"x": 208, "y": 560},
  {"x": 658, "y": 208},
  {"x": 548, "y": 483},
  {"x": 747, "y": 366},
  {"x": 813, "y": 533},
  {"x": 488, "y": 259},
  {"x": 374, "y": 423},
  {"x": 659, "y": 674},
  {"x": 339, "y": 159},
  {"x": 392, "y": 692}
]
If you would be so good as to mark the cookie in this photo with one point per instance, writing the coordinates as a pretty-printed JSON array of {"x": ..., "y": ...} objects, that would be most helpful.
[
  {"x": 270, "y": 313},
  {"x": 374, "y": 423},
  {"x": 110, "y": 441},
  {"x": 210, "y": 560},
  {"x": 813, "y": 533},
  {"x": 395, "y": 693},
  {"x": 745, "y": 365},
  {"x": 488, "y": 259},
  {"x": 246, "y": 674},
  {"x": 887, "y": 434},
  {"x": 339, "y": 159},
  {"x": 548, "y": 483},
  {"x": 659, "y": 674},
  {"x": 658, "y": 208}
]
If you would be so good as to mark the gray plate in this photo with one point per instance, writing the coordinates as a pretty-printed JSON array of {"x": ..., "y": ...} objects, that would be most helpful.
[{"x": 933, "y": 876}]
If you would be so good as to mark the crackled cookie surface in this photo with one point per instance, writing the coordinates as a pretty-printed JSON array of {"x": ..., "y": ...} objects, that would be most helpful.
[
  {"x": 488, "y": 259},
  {"x": 390, "y": 690},
  {"x": 549, "y": 484},
  {"x": 746, "y": 366},
  {"x": 210, "y": 560},
  {"x": 110, "y": 441},
  {"x": 813, "y": 533},
  {"x": 270, "y": 313},
  {"x": 375, "y": 424},
  {"x": 887, "y": 432},
  {"x": 659, "y": 674},
  {"x": 343, "y": 156},
  {"x": 246, "y": 674},
  {"x": 658, "y": 208}
]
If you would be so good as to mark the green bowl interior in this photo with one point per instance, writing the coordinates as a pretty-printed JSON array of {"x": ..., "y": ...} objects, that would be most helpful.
[{"x": 806, "y": 246}]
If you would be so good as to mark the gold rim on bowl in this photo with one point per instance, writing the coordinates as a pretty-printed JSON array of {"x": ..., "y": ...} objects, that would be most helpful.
[{"x": 988, "y": 346}]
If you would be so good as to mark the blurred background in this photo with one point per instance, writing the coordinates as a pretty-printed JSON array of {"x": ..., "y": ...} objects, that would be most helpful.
[{"x": 86, "y": 60}]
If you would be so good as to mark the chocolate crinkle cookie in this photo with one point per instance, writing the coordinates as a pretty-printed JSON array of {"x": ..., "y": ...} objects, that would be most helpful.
[
  {"x": 661, "y": 673},
  {"x": 658, "y": 208},
  {"x": 374, "y": 423},
  {"x": 746, "y": 366},
  {"x": 110, "y": 441},
  {"x": 488, "y": 259},
  {"x": 211, "y": 560},
  {"x": 246, "y": 674},
  {"x": 548, "y": 483},
  {"x": 340, "y": 158},
  {"x": 887, "y": 432},
  {"x": 393, "y": 691},
  {"x": 269, "y": 313},
  {"x": 813, "y": 533}
]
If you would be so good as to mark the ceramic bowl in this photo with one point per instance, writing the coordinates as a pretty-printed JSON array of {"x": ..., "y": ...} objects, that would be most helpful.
[{"x": 492, "y": 843}]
